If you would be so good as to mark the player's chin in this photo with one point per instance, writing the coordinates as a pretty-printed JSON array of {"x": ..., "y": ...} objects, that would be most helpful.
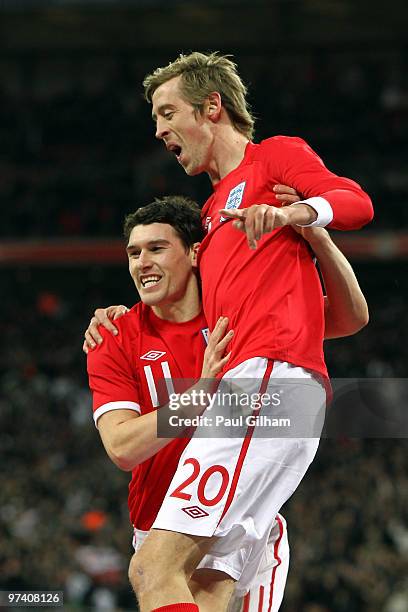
[
  {"x": 149, "y": 300},
  {"x": 191, "y": 169}
]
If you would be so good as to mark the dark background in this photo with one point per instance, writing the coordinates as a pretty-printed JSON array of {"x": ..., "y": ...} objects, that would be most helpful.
[{"x": 77, "y": 153}]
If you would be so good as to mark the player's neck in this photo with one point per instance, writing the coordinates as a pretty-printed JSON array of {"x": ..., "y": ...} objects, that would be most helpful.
[
  {"x": 181, "y": 310},
  {"x": 228, "y": 152}
]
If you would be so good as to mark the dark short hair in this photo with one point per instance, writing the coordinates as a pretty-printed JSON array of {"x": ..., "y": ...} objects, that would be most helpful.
[{"x": 180, "y": 212}]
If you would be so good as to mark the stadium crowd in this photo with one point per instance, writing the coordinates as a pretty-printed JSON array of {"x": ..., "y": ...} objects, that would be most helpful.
[
  {"x": 76, "y": 155},
  {"x": 63, "y": 513},
  {"x": 76, "y": 146}
]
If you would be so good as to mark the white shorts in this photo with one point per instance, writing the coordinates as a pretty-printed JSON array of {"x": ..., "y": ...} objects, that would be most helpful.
[
  {"x": 233, "y": 487},
  {"x": 266, "y": 591}
]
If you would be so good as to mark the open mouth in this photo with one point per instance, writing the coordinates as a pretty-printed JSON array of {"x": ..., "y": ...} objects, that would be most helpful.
[
  {"x": 176, "y": 149},
  {"x": 150, "y": 281}
]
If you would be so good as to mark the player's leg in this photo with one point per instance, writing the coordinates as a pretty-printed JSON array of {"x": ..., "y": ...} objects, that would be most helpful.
[
  {"x": 266, "y": 592},
  {"x": 160, "y": 571},
  {"x": 229, "y": 488},
  {"x": 211, "y": 589}
]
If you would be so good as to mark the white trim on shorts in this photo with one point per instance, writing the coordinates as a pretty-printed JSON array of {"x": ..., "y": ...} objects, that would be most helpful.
[{"x": 266, "y": 593}]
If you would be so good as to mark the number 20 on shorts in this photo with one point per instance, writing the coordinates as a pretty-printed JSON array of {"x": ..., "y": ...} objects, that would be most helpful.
[{"x": 202, "y": 483}]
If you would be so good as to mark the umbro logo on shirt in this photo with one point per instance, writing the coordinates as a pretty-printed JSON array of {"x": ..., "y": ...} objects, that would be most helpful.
[{"x": 153, "y": 355}]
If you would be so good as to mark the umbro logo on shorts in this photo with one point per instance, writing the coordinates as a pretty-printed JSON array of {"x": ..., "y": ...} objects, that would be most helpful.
[
  {"x": 195, "y": 512},
  {"x": 153, "y": 355}
]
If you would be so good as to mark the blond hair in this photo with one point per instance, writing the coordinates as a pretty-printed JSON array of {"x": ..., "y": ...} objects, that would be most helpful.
[{"x": 202, "y": 74}]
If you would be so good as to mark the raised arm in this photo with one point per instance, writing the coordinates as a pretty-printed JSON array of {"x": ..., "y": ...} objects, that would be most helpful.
[
  {"x": 328, "y": 199},
  {"x": 339, "y": 202}
]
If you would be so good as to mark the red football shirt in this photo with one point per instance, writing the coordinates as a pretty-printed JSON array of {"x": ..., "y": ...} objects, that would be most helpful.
[
  {"x": 124, "y": 372},
  {"x": 272, "y": 295}
]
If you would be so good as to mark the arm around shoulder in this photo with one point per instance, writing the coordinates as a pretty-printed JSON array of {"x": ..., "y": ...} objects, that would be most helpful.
[{"x": 345, "y": 307}]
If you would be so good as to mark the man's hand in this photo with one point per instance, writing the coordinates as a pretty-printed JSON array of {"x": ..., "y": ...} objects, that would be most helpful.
[
  {"x": 261, "y": 219},
  {"x": 288, "y": 196},
  {"x": 102, "y": 316},
  {"x": 257, "y": 220},
  {"x": 214, "y": 356}
]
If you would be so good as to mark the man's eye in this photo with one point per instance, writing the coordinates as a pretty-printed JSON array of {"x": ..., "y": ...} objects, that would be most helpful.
[
  {"x": 158, "y": 248},
  {"x": 168, "y": 115}
]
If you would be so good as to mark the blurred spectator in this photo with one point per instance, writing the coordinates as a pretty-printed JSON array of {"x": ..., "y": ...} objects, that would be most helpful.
[
  {"x": 63, "y": 514},
  {"x": 76, "y": 154},
  {"x": 76, "y": 138}
]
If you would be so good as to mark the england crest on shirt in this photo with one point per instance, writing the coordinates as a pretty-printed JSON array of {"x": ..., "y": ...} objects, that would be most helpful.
[{"x": 234, "y": 198}]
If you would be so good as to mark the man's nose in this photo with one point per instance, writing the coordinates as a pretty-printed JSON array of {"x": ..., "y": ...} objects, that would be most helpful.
[
  {"x": 144, "y": 259},
  {"x": 161, "y": 129}
]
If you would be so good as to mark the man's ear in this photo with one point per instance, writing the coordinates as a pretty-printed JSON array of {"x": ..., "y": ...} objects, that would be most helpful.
[
  {"x": 194, "y": 254},
  {"x": 214, "y": 106}
]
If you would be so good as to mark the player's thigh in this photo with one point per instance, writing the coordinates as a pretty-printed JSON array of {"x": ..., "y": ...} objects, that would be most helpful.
[
  {"x": 211, "y": 589},
  {"x": 172, "y": 551},
  {"x": 235, "y": 603}
]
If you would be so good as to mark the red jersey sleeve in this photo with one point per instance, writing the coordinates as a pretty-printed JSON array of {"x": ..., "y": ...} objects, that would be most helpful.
[
  {"x": 112, "y": 380},
  {"x": 293, "y": 162}
]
